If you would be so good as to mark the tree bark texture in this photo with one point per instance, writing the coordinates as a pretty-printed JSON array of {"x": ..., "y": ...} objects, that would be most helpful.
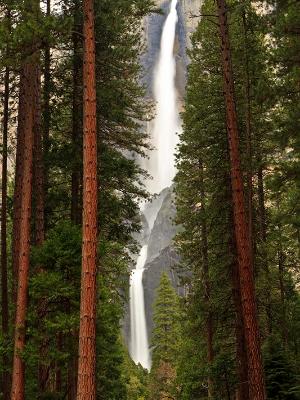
[
  {"x": 46, "y": 111},
  {"x": 4, "y": 285},
  {"x": 27, "y": 101},
  {"x": 76, "y": 116},
  {"x": 252, "y": 336},
  {"x": 241, "y": 352},
  {"x": 249, "y": 142},
  {"x": 86, "y": 388},
  {"x": 22, "y": 120},
  {"x": 38, "y": 168}
]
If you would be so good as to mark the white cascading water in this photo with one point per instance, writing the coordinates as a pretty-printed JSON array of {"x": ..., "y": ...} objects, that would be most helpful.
[
  {"x": 162, "y": 168},
  {"x": 166, "y": 123},
  {"x": 138, "y": 327}
]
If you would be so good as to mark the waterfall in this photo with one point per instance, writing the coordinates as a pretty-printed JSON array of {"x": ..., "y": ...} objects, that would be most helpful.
[
  {"x": 166, "y": 123},
  {"x": 162, "y": 168},
  {"x": 139, "y": 341}
]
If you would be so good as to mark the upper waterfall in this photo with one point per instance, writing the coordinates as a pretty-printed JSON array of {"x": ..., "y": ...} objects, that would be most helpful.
[{"x": 166, "y": 124}]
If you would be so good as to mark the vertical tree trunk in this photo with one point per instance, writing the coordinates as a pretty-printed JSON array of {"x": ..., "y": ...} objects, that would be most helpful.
[
  {"x": 38, "y": 168},
  {"x": 281, "y": 258},
  {"x": 30, "y": 73},
  {"x": 86, "y": 388},
  {"x": 39, "y": 210},
  {"x": 42, "y": 130},
  {"x": 76, "y": 114},
  {"x": 72, "y": 367},
  {"x": 209, "y": 319},
  {"x": 241, "y": 352},
  {"x": 252, "y": 336},
  {"x": 18, "y": 182},
  {"x": 77, "y": 161},
  {"x": 263, "y": 238},
  {"x": 4, "y": 289},
  {"x": 46, "y": 111},
  {"x": 58, "y": 374},
  {"x": 249, "y": 143},
  {"x": 242, "y": 391}
]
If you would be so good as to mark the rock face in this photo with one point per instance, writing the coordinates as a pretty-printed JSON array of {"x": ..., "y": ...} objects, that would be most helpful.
[
  {"x": 152, "y": 208},
  {"x": 164, "y": 228},
  {"x": 190, "y": 10}
]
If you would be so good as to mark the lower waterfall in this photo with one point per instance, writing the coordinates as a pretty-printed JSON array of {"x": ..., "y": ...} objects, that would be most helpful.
[{"x": 139, "y": 341}]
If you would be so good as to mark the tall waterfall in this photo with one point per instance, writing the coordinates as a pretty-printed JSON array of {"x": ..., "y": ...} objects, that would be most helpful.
[
  {"x": 162, "y": 168},
  {"x": 166, "y": 123}
]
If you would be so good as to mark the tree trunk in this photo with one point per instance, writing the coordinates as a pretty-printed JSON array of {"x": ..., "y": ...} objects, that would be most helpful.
[
  {"x": 252, "y": 336},
  {"x": 281, "y": 258},
  {"x": 242, "y": 391},
  {"x": 86, "y": 388},
  {"x": 72, "y": 378},
  {"x": 58, "y": 374},
  {"x": 30, "y": 76},
  {"x": 209, "y": 319},
  {"x": 22, "y": 120},
  {"x": 38, "y": 170},
  {"x": 263, "y": 238},
  {"x": 76, "y": 115},
  {"x": 42, "y": 130},
  {"x": 4, "y": 289},
  {"x": 39, "y": 213},
  {"x": 241, "y": 352},
  {"x": 76, "y": 180},
  {"x": 249, "y": 144},
  {"x": 46, "y": 111}
]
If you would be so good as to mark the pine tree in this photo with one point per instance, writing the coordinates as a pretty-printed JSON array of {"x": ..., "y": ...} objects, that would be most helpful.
[
  {"x": 86, "y": 388},
  {"x": 4, "y": 275},
  {"x": 256, "y": 377},
  {"x": 27, "y": 109},
  {"x": 165, "y": 340},
  {"x": 30, "y": 77}
]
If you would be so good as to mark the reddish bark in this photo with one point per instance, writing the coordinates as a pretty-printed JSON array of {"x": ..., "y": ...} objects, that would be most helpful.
[
  {"x": 41, "y": 150},
  {"x": 46, "y": 110},
  {"x": 252, "y": 336},
  {"x": 4, "y": 289},
  {"x": 39, "y": 210},
  {"x": 76, "y": 115},
  {"x": 86, "y": 388},
  {"x": 30, "y": 72},
  {"x": 38, "y": 168},
  {"x": 241, "y": 352},
  {"x": 18, "y": 181},
  {"x": 249, "y": 143}
]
